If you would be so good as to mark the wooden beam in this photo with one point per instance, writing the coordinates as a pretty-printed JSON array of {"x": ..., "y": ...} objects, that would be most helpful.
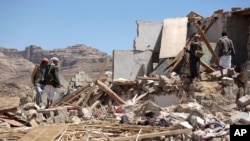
[
  {"x": 179, "y": 59},
  {"x": 72, "y": 97},
  {"x": 110, "y": 92},
  {"x": 207, "y": 67},
  {"x": 93, "y": 87},
  {"x": 44, "y": 133},
  {"x": 148, "y": 78},
  {"x": 152, "y": 135},
  {"x": 203, "y": 36},
  {"x": 94, "y": 104}
]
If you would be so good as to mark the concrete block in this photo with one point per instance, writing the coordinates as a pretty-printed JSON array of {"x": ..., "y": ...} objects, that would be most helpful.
[
  {"x": 231, "y": 72},
  {"x": 136, "y": 63},
  {"x": 199, "y": 96},
  {"x": 63, "y": 111},
  {"x": 232, "y": 106},
  {"x": 230, "y": 90},
  {"x": 33, "y": 123},
  {"x": 240, "y": 116},
  {"x": 166, "y": 100},
  {"x": 196, "y": 120},
  {"x": 59, "y": 119},
  {"x": 224, "y": 72},
  {"x": 244, "y": 100},
  {"x": 227, "y": 81},
  {"x": 173, "y": 36},
  {"x": 216, "y": 75},
  {"x": 78, "y": 77},
  {"x": 39, "y": 117},
  {"x": 151, "y": 90},
  {"x": 248, "y": 107},
  {"x": 75, "y": 120},
  {"x": 186, "y": 125},
  {"x": 78, "y": 83},
  {"x": 190, "y": 107},
  {"x": 216, "y": 108},
  {"x": 148, "y": 36},
  {"x": 32, "y": 112}
]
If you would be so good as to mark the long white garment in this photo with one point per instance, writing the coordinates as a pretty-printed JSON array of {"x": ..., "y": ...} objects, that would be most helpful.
[
  {"x": 225, "y": 61},
  {"x": 50, "y": 91}
]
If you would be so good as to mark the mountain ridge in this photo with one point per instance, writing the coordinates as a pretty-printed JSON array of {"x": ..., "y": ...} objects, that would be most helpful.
[{"x": 16, "y": 66}]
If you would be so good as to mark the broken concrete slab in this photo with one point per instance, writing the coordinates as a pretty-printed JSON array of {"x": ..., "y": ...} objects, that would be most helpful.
[
  {"x": 244, "y": 100},
  {"x": 148, "y": 36},
  {"x": 173, "y": 36},
  {"x": 137, "y": 63},
  {"x": 240, "y": 116},
  {"x": 11, "y": 121},
  {"x": 33, "y": 123},
  {"x": 227, "y": 81},
  {"x": 166, "y": 100},
  {"x": 185, "y": 124}
]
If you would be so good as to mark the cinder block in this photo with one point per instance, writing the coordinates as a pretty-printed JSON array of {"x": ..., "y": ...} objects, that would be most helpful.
[
  {"x": 245, "y": 100},
  {"x": 227, "y": 81}
]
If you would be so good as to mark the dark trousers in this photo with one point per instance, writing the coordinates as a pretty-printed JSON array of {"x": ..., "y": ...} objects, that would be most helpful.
[{"x": 194, "y": 68}]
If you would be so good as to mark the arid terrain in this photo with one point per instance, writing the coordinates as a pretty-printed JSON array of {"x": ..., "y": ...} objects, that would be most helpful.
[{"x": 16, "y": 66}]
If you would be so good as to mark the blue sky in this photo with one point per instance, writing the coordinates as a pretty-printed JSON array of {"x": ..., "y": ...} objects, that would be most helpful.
[{"x": 105, "y": 25}]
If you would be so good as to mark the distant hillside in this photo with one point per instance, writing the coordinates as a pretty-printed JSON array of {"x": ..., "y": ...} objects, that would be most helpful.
[{"x": 16, "y": 66}]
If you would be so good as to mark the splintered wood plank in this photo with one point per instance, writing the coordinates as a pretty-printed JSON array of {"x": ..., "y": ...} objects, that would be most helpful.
[
  {"x": 110, "y": 92},
  {"x": 93, "y": 87},
  {"x": 11, "y": 121},
  {"x": 152, "y": 135},
  {"x": 44, "y": 133}
]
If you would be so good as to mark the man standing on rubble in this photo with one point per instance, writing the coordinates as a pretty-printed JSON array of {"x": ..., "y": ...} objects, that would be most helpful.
[
  {"x": 195, "y": 53},
  {"x": 37, "y": 78},
  {"x": 226, "y": 51},
  {"x": 52, "y": 81}
]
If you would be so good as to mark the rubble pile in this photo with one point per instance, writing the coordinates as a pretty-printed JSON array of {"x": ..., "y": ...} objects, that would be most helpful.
[
  {"x": 206, "y": 112},
  {"x": 130, "y": 103}
]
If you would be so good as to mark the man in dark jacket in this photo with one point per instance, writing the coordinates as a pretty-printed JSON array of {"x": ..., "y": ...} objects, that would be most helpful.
[
  {"x": 37, "y": 78},
  {"x": 52, "y": 81},
  {"x": 226, "y": 51},
  {"x": 195, "y": 54}
]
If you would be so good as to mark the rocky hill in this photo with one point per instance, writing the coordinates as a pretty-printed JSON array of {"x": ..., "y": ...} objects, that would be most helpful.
[{"x": 16, "y": 66}]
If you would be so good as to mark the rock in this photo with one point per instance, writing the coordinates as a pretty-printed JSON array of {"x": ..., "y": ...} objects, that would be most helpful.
[
  {"x": 51, "y": 118},
  {"x": 248, "y": 107},
  {"x": 33, "y": 123},
  {"x": 59, "y": 119},
  {"x": 190, "y": 107},
  {"x": 186, "y": 125},
  {"x": 244, "y": 116},
  {"x": 39, "y": 117},
  {"x": 244, "y": 100},
  {"x": 63, "y": 112},
  {"x": 75, "y": 120},
  {"x": 227, "y": 81},
  {"x": 32, "y": 112},
  {"x": 4, "y": 124},
  {"x": 231, "y": 106},
  {"x": 87, "y": 113},
  {"x": 195, "y": 120}
]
